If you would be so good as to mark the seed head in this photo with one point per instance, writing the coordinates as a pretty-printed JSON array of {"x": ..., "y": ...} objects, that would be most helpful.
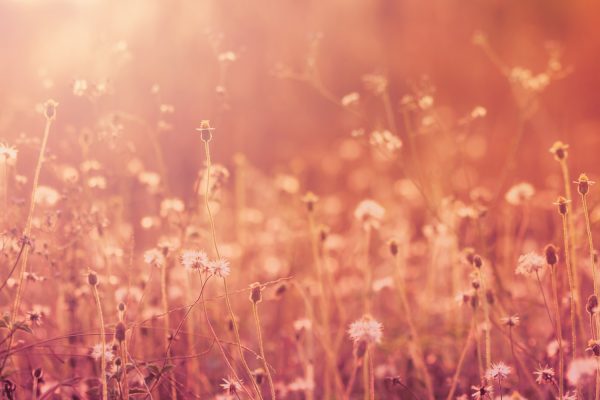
[
  {"x": 551, "y": 255},
  {"x": 559, "y": 149},
  {"x": 255, "y": 293},
  {"x": 592, "y": 304},
  {"x": 310, "y": 199},
  {"x": 37, "y": 373},
  {"x": 562, "y": 204},
  {"x": 393, "y": 245},
  {"x": 594, "y": 347},
  {"x": 477, "y": 261},
  {"x": 205, "y": 130},
  {"x": 50, "y": 109},
  {"x": 120, "y": 330},
  {"x": 92, "y": 278},
  {"x": 583, "y": 184}
]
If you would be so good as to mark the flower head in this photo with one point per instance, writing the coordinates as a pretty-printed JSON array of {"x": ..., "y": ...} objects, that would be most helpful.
[
  {"x": 530, "y": 264},
  {"x": 231, "y": 386},
  {"x": 519, "y": 193},
  {"x": 481, "y": 392},
  {"x": 498, "y": 370},
  {"x": 219, "y": 268},
  {"x": 369, "y": 213},
  {"x": 559, "y": 149},
  {"x": 195, "y": 260},
  {"x": 544, "y": 375},
  {"x": 155, "y": 258},
  {"x": 366, "y": 329}
]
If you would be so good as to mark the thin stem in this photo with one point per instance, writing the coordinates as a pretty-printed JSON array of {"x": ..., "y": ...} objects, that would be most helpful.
[
  {"x": 262, "y": 349},
  {"x": 537, "y": 275},
  {"x": 103, "y": 342},
  {"x": 227, "y": 299},
  {"x": 352, "y": 379},
  {"x": 571, "y": 286},
  {"x": 561, "y": 355},
  {"x": 27, "y": 234},
  {"x": 461, "y": 360},
  {"x": 416, "y": 338},
  {"x": 486, "y": 316}
]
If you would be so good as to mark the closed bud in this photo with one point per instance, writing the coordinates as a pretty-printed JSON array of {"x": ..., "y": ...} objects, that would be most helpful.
[
  {"x": 38, "y": 373},
  {"x": 92, "y": 278},
  {"x": 393, "y": 244},
  {"x": 477, "y": 261},
  {"x": 120, "y": 330},
  {"x": 551, "y": 254},
  {"x": 255, "y": 293}
]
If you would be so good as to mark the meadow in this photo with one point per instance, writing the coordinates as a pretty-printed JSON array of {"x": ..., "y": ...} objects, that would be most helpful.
[{"x": 299, "y": 200}]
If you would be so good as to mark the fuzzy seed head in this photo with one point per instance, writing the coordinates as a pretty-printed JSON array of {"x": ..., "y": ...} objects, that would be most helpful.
[{"x": 92, "y": 278}]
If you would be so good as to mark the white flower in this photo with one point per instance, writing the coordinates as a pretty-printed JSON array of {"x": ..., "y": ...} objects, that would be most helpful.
[
  {"x": 369, "y": 213},
  {"x": 97, "y": 352},
  {"x": 8, "y": 154},
  {"x": 231, "y": 386},
  {"x": 530, "y": 263},
  {"x": 498, "y": 371},
  {"x": 579, "y": 368},
  {"x": 367, "y": 329},
  {"x": 350, "y": 99},
  {"x": 154, "y": 257},
  {"x": 46, "y": 195},
  {"x": 219, "y": 268},
  {"x": 171, "y": 205},
  {"x": 519, "y": 193},
  {"x": 195, "y": 260},
  {"x": 544, "y": 375}
]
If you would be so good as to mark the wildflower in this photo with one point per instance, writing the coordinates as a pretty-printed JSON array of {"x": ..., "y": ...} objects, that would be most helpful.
[
  {"x": 478, "y": 112},
  {"x": 171, "y": 205},
  {"x": 46, "y": 196},
  {"x": 366, "y": 329},
  {"x": 350, "y": 99},
  {"x": 219, "y": 268},
  {"x": 498, "y": 371},
  {"x": 594, "y": 347},
  {"x": 481, "y": 392},
  {"x": 231, "y": 386},
  {"x": 385, "y": 140},
  {"x": 519, "y": 193},
  {"x": 302, "y": 324},
  {"x": 8, "y": 154},
  {"x": 205, "y": 130},
  {"x": 375, "y": 83},
  {"x": 34, "y": 318},
  {"x": 154, "y": 257},
  {"x": 310, "y": 199},
  {"x": 96, "y": 352},
  {"x": 562, "y": 204},
  {"x": 80, "y": 87},
  {"x": 511, "y": 321},
  {"x": 228, "y": 56},
  {"x": 530, "y": 264},
  {"x": 551, "y": 255},
  {"x": 195, "y": 260},
  {"x": 425, "y": 102},
  {"x": 592, "y": 304},
  {"x": 579, "y": 368},
  {"x": 559, "y": 149},
  {"x": 369, "y": 213},
  {"x": 545, "y": 375},
  {"x": 583, "y": 184},
  {"x": 50, "y": 109}
]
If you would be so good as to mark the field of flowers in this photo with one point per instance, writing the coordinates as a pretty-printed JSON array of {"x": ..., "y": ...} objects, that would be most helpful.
[{"x": 265, "y": 200}]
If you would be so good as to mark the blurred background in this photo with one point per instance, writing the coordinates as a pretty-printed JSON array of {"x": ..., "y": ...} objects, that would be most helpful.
[{"x": 110, "y": 63}]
